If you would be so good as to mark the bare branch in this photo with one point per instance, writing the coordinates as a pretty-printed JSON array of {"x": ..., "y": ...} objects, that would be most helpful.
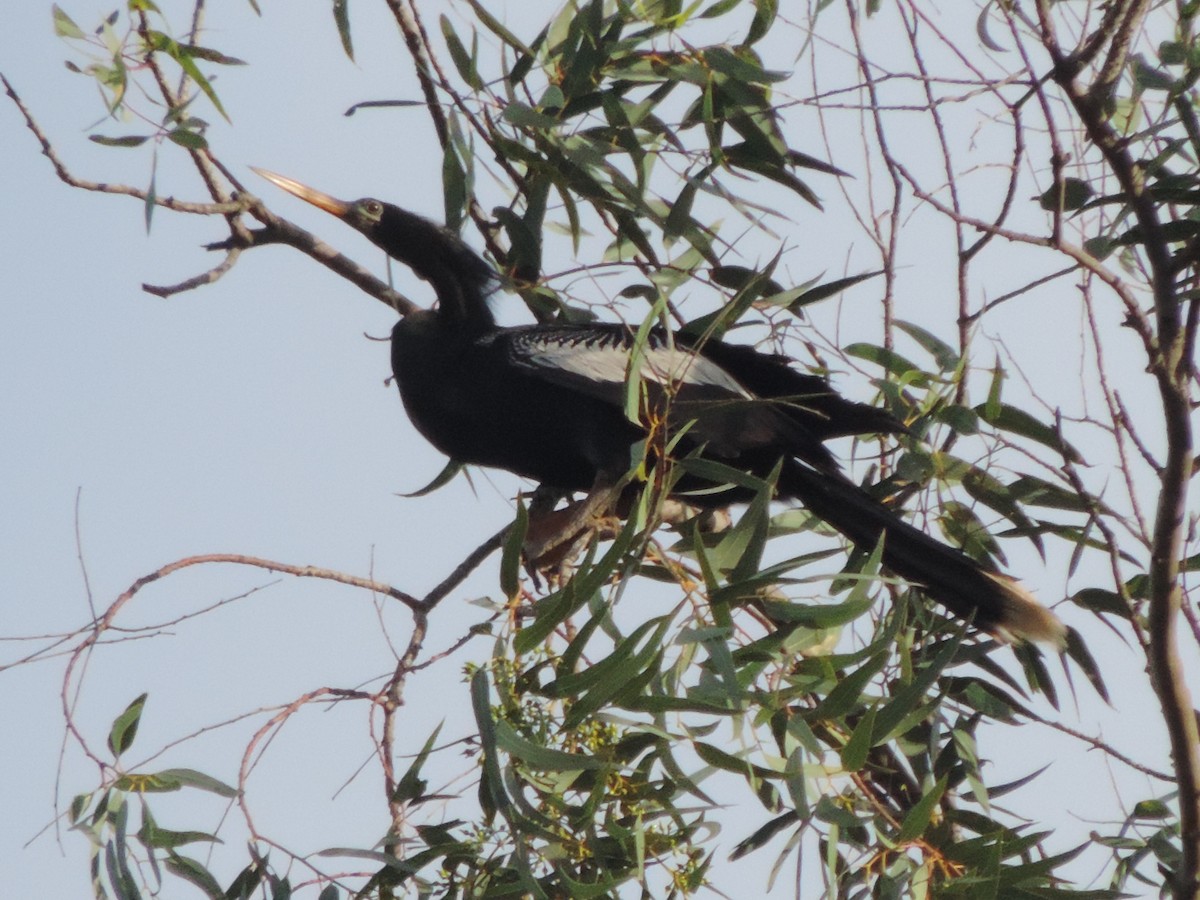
[
  {"x": 223, "y": 208},
  {"x": 280, "y": 231},
  {"x": 466, "y": 567},
  {"x": 205, "y": 278},
  {"x": 1166, "y": 354}
]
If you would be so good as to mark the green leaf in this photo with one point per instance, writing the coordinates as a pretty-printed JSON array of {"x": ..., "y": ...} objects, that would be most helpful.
[
  {"x": 741, "y": 548},
  {"x": 183, "y": 55},
  {"x": 463, "y": 61},
  {"x": 492, "y": 24},
  {"x": 192, "y": 871},
  {"x": 764, "y": 17},
  {"x": 829, "y": 289},
  {"x": 492, "y": 797},
  {"x": 740, "y": 69},
  {"x": 1100, "y": 600},
  {"x": 120, "y": 876},
  {"x": 1036, "y": 675},
  {"x": 209, "y": 55},
  {"x": 442, "y": 478},
  {"x": 131, "y": 140},
  {"x": 679, "y": 219},
  {"x": 125, "y": 726},
  {"x": 845, "y": 695},
  {"x": 944, "y": 355},
  {"x": 910, "y": 696},
  {"x": 771, "y": 166},
  {"x": 510, "y": 559},
  {"x": 192, "y": 140},
  {"x": 1017, "y": 421},
  {"x": 545, "y": 759},
  {"x": 79, "y": 806},
  {"x": 854, "y": 753},
  {"x": 411, "y": 786},
  {"x": 622, "y": 674},
  {"x": 1101, "y": 247},
  {"x": 1078, "y": 651},
  {"x": 64, "y": 26},
  {"x": 965, "y": 529},
  {"x": 526, "y": 116},
  {"x": 719, "y": 473},
  {"x": 889, "y": 360},
  {"x": 1009, "y": 786},
  {"x": 524, "y": 241},
  {"x": 764, "y": 834},
  {"x": 248, "y": 880},
  {"x": 1151, "y": 809},
  {"x": 818, "y": 615},
  {"x": 169, "y": 780},
  {"x": 996, "y": 495},
  {"x": 833, "y": 813},
  {"x": 1034, "y": 491},
  {"x": 961, "y": 418},
  {"x": 1073, "y": 193},
  {"x": 991, "y": 409},
  {"x": 1148, "y": 78},
  {"x": 981, "y": 29},
  {"x": 151, "y": 194},
  {"x": 1173, "y": 231},
  {"x": 721, "y": 759},
  {"x": 919, "y": 816},
  {"x": 341, "y": 17},
  {"x": 154, "y": 837}
]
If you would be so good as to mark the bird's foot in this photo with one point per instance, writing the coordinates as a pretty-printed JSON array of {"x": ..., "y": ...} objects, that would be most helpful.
[
  {"x": 711, "y": 521},
  {"x": 554, "y": 539}
]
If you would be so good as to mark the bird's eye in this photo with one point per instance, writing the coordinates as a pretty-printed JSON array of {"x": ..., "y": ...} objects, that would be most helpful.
[{"x": 374, "y": 207}]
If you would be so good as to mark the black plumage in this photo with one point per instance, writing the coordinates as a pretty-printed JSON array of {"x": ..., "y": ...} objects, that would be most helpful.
[{"x": 548, "y": 402}]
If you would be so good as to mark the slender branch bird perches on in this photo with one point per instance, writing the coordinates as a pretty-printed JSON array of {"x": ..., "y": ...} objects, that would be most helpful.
[{"x": 548, "y": 402}]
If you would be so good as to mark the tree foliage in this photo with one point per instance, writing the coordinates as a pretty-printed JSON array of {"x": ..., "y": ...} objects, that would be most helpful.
[{"x": 656, "y": 143}]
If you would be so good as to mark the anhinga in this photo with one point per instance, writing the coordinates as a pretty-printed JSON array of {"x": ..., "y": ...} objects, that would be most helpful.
[{"x": 548, "y": 402}]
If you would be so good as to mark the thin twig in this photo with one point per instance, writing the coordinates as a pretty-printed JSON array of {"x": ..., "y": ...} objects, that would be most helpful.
[{"x": 231, "y": 207}]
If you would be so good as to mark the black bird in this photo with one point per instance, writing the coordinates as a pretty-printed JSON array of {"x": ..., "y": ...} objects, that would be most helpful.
[{"x": 548, "y": 402}]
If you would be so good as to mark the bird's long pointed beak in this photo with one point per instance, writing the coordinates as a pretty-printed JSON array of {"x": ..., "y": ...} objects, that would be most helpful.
[{"x": 339, "y": 208}]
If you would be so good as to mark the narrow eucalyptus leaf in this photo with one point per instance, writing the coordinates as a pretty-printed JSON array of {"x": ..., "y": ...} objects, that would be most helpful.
[
  {"x": 921, "y": 814},
  {"x": 1078, "y": 651},
  {"x": 764, "y": 834},
  {"x": 410, "y": 787},
  {"x": 1071, "y": 194},
  {"x": 131, "y": 140},
  {"x": 463, "y": 61},
  {"x": 64, "y": 25},
  {"x": 854, "y": 753},
  {"x": 125, "y": 726},
  {"x": 341, "y": 18},
  {"x": 192, "y": 871},
  {"x": 510, "y": 559},
  {"x": 442, "y": 478},
  {"x": 177, "y": 778},
  {"x": 543, "y": 758}
]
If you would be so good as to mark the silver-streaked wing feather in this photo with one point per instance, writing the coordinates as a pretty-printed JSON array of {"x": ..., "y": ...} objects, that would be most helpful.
[
  {"x": 595, "y": 360},
  {"x": 602, "y": 357}
]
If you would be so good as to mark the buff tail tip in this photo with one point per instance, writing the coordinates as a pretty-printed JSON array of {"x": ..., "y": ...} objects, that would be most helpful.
[{"x": 1025, "y": 618}]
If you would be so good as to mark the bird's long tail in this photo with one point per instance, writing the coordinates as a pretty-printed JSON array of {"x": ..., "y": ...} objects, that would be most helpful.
[{"x": 999, "y": 604}]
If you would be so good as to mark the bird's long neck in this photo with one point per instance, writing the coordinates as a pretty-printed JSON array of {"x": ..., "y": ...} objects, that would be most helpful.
[
  {"x": 461, "y": 303},
  {"x": 460, "y": 277}
]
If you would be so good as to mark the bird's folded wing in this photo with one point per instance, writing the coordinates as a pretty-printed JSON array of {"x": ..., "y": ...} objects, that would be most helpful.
[{"x": 597, "y": 361}]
